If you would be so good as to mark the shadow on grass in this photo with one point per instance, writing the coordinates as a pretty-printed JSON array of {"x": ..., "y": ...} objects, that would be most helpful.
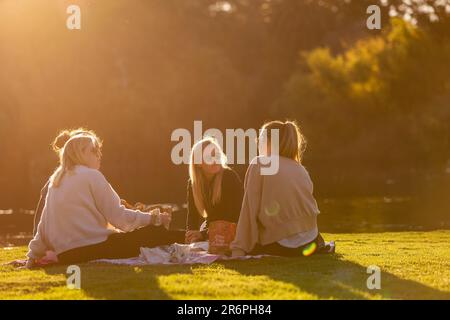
[
  {"x": 331, "y": 277},
  {"x": 105, "y": 281},
  {"x": 324, "y": 276}
]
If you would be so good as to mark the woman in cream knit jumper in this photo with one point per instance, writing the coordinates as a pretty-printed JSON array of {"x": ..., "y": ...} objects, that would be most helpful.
[{"x": 279, "y": 213}]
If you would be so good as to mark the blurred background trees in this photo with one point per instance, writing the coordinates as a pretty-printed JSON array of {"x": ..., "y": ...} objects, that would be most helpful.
[{"x": 374, "y": 105}]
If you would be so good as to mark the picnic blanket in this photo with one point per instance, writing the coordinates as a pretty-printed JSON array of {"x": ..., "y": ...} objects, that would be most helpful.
[
  {"x": 170, "y": 254},
  {"x": 176, "y": 253},
  {"x": 166, "y": 255}
]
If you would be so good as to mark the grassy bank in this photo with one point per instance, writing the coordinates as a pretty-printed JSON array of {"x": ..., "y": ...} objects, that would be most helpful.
[{"x": 414, "y": 265}]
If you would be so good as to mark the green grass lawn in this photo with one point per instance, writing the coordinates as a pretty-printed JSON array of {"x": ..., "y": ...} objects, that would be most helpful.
[{"x": 414, "y": 265}]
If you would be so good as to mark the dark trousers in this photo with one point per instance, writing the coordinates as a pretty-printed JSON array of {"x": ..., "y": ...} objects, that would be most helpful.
[
  {"x": 123, "y": 245},
  {"x": 277, "y": 249}
]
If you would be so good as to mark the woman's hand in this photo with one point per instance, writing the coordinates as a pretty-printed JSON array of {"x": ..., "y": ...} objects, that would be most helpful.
[
  {"x": 193, "y": 236},
  {"x": 160, "y": 218},
  {"x": 166, "y": 218}
]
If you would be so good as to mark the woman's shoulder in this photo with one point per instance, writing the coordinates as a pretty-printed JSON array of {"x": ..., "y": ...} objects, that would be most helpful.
[
  {"x": 292, "y": 166},
  {"x": 259, "y": 162},
  {"x": 89, "y": 173},
  {"x": 297, "y": 171}
]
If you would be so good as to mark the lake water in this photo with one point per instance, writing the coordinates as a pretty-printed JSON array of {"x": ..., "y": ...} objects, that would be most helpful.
[{"x": 378, "y": 214}]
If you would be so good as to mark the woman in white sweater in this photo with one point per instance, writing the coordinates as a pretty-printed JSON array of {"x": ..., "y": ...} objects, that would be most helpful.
[
  {"x": 83, "y": 218},
  {"x": 57, "y": 145}
]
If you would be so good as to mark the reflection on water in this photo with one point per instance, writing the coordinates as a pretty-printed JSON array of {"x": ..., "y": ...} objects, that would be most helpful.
[{"x": 377, "y": 214}]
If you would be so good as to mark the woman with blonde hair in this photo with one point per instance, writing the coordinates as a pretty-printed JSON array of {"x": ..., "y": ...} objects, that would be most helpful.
[
  {"x": 57, "y": 145},
  {"x": 279, "y": 212},
  {"x": 214, "y": 190},
  {"x": 83, "y": 218}
]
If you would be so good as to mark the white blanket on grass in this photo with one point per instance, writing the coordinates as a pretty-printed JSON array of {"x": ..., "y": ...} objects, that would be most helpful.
[{"x": 174, "y": 254}]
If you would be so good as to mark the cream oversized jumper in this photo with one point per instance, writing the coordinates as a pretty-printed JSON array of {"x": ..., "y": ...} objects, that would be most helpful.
[
  {"x": 81, "y": 211},
  {"x": 275, "y": 207}
]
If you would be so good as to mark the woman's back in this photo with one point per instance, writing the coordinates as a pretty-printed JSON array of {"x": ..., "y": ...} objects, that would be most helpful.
[
  {"x": 288, "y": 193},
  {"x": 276, "y": 206}
]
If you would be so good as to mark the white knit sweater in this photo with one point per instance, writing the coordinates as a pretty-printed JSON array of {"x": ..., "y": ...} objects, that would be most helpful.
[{"x": 81, "y": 211}]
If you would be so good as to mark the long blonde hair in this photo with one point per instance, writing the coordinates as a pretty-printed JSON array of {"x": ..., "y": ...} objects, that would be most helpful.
[
  {"x": 204, "y": 198},
  {"x": 72, "y": 154},
  {"x": 292, "y": 143}
]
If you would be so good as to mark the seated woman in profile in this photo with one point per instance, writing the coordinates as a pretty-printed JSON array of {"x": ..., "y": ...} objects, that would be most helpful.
[
  {"x": 57, "y": 145},
  {"x": 83, "y": 218},
  {"x": 279, "y": 212},
  {"x": 214, "y": 191}
]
